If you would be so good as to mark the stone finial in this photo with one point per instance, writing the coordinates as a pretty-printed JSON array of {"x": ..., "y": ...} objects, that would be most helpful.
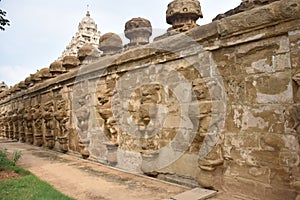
[
  {"x": 44, "y": 73},
  {"x": 138, "y": 31},
  {"x": 110, "y": 43},
  {"x": 3, "y": 87},
  {"x": 17, "y": 88},
  {"x": 56, "y": 68},
  {"x": 88, "y": 54},
  {"x": 22, "y": 85},
  {"x": 70, "y": 62},
  {"x": 35, "y": 77},
  {"x": 183, "y": 14},
  {"x": 28, "y": 81}
]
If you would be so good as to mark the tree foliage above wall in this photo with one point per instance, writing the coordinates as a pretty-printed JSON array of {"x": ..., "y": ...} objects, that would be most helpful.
[{"x": 3, "y": 21}]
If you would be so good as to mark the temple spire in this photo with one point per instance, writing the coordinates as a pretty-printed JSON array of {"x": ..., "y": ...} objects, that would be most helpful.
[{"x": 87, "y": 10}]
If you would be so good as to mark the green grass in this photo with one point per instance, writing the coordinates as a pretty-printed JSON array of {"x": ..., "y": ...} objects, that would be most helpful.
[
  {"x": 6, "y": 164},
  {"x": 27, "y": 187}
]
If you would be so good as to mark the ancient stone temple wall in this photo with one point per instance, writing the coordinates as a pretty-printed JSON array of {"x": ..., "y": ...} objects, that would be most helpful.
[{"x": 217, "y": 106}]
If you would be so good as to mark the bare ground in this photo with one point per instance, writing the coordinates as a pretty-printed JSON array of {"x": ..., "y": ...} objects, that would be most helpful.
[{"x": 84, "y": 179}]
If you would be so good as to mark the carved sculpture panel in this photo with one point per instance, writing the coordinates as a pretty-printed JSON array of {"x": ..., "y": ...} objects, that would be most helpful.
[
  {"x": 37, "y": 125},
  {"x": 82, "y": 112},
  {"x": 14, "y": 122},
  {"x": 21, "y": 124},
  {"x": 48, "y": 115},
  {"x": 28, "y": 127},
  {"x": 62, "y": 115}
]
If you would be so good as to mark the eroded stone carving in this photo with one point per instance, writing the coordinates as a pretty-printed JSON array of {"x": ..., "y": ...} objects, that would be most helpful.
[
  {"x": 183, "y": 14},
  {"x": 210, "y": 167},
  {"x": 82, "y": 112},
  {"x": 6, "y": 124},
  {"x": 110, "y": 43},
  {"x": 244, "y": 6},
  {"x": 70, "y": 62},
  {"x": 14, "y": 124},
  {"x": 35, "y": 78},
  {"x": 28, "y": 127},
  {"x": 21, "y": 124},
  {"x": 296, "y": 79},
  {"x": 56, "y": 68},
  {"x": 281, "y": 10},
  {"x": 3, "y": 87},
  {"x": 257, "y": 154},
  {"x": 48, "y": 115},
  {"x": 62, "y": 115},
  {"x": 44, "y": 74},
  {"x": 105, "y": 112},
  {"x": 37, "y": 125},
  {"x": 138, "y": 31},
  {"x": 88, "y": 54},
  {"x": 2, "y": 128}
]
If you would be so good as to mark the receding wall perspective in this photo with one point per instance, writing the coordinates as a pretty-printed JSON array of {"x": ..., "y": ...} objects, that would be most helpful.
[{"x": 216, "y": 106}]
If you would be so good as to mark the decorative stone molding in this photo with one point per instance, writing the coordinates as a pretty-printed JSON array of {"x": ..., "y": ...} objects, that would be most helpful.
[
  {"x": 70, "y": 62},
  {"x": 183, "y": 14},
  {"x": 3, "y": 87},
  {"x": 37, "y": 125},
  {"x": 244, "y": 6},
  {"x": 88, "y": 54},
  {"x": 28, "y": 127},
  {"x": 48, "y": 115},
  {"x": 110, "y": 43},
  {"x": 44, "y": 73},
  {"x": 56, "y": 68},
  {"x": 62, "y": 115},
  {"x": 138, "y": 31},
  {"x": 269, "y": 15}
]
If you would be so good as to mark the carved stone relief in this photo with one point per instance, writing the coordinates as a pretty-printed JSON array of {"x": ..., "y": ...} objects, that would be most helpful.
[
  {"x": 48, "y": 115},
  {"x": 62, "y": 116},
  {"x": 28, "y": 127},
  {"x": 37, "y": 125},
  {"x": 81, "y": 110}
]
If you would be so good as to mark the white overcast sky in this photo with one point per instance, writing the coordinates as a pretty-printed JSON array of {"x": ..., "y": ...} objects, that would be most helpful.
[{"x": 41, "y": 29}]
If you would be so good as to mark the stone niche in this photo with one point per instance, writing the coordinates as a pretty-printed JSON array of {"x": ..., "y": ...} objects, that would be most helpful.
[{"x": 215, "y": 106}]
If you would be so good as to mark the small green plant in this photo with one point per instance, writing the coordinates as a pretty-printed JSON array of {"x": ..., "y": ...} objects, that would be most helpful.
[
  {"x": 16, "y": 156},
  {"x": 3, "y": 153}
]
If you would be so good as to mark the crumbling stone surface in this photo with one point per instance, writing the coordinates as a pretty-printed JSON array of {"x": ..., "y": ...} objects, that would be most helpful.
[
  {"x": 138, "y": 31},
  {"x": 70, "y": 62},
  {"x": 110, "y": 43},
  {"x": 88, "y": 54},
  {"x": 183, "y": 14},
  {"x": 244, "y": 6},
  {"x": 56, "y": 68},
  {"x": 217, "y": 106}
]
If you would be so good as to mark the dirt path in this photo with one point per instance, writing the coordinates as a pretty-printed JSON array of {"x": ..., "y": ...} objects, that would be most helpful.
[{"x": 83, "y": 179}]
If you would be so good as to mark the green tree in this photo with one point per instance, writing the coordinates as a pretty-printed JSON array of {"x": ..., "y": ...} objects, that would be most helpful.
[{"x": 3, "y": 21}]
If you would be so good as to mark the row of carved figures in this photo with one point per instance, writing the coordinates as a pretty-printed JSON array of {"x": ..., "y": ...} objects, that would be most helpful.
[{"x": 37, "y": 124}]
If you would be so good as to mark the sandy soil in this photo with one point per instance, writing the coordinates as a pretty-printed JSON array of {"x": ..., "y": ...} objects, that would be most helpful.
[{"x": 84, "y": 179}]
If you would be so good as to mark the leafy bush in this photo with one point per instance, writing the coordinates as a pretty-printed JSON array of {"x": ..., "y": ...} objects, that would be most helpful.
[
  {"x": 7, "y": 164},
  {"x": 16, "y": 156},
  {"x": 3, "y": 153}
]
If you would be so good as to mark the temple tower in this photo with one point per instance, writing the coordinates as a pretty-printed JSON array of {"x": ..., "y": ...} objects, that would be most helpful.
[{"x": 87, "y": 34}]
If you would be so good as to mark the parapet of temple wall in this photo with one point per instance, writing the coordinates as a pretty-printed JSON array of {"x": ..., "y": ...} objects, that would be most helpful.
[{"x": 217, "y": 106}]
